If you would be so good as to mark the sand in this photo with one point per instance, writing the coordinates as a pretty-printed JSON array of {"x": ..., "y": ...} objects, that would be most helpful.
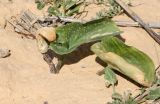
[{"x": 25, "y": 77}]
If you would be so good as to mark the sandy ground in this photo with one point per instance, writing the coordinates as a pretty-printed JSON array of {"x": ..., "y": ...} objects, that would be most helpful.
[{"x": 25, "y": 77}]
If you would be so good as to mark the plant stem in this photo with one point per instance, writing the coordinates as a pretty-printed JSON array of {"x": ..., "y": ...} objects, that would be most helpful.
[
  {"x": 114, "y": 91},
  {"x": 59, "y": 64},
  {"x": 48, "y": 59}
]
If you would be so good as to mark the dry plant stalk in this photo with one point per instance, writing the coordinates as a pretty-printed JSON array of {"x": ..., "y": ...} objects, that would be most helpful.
[{"x": 135, "y": 17}]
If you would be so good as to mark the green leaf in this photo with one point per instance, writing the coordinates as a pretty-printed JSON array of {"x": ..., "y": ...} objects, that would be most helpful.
[
  {"x": 116, "y": 102},
  {"x": 126, "y": 99},
  {"x": 73, "y": 35},
  {"x": 110, "y": 77},
  {"x": 73, "y": 11},
  {"x": 58, "y": 3},
  {"x": 73, "y": 7},
  {"x": 158, "y": 82},
  {"x": 40, "y": 5},
  {"x": 69, "y": 4},
  {"x": 54, "y": 11},
  {"x": 65, "y": 7},
  {"x": 117, "y": 96},
  {"x": 126, "y": 59},
  {"x": 131, "y": 101},
  {"x": 154, "y": 94},
  {"x": 100, "y": 1}
]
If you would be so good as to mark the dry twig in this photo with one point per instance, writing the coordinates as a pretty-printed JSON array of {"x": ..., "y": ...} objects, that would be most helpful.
[
  {"x": 154, "y": 25},
  {"x": 135, "y": 17}
]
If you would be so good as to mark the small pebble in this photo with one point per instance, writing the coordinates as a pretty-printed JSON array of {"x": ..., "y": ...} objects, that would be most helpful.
[
  {"x": 83, "y": 66},
  {"x": 45, "y": 102},
  {"x": 4, "y": 53}
]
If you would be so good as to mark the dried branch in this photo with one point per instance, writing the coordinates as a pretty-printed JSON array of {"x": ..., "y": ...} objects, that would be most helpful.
[
  {"x": 135, "y": 17},
  {"x": 154, "y": 25},
  {"x": 48, "y": 60}
]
